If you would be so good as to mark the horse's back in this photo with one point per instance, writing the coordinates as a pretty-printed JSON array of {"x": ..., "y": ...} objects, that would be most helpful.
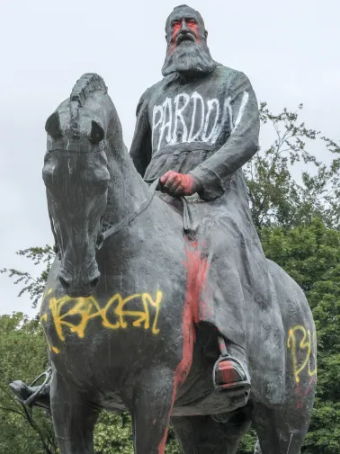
[{"x": 292, "y": 301}]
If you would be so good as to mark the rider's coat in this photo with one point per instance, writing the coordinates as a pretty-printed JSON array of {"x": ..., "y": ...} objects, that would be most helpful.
[{"x": 209, "y": 127}]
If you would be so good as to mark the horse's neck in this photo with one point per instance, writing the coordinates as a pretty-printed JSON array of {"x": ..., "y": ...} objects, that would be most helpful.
[{"x": 127, "y": 191}]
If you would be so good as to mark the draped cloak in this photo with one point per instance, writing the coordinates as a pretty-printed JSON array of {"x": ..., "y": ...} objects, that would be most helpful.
[{"x": 209, "y": 127}]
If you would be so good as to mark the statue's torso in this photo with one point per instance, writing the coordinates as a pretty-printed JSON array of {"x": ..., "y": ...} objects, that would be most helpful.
[{"x": 189, "y": 121}]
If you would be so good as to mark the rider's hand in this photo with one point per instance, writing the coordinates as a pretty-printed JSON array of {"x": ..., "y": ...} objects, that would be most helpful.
[{"x": 177, "y": 184}]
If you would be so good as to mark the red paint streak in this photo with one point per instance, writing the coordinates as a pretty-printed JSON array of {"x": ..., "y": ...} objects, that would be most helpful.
[
  {"x": 197, "y": 269},
  {"x": 177, "y": 28},
  {"x": 300, "y": 394},
  {"x": 227, "y": 373}
]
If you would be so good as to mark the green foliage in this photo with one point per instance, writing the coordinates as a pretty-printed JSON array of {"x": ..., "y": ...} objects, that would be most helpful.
[
  {"x": 298, "y": 221},
  {"x": 22, "y": 354},
  {"x": 277, "y": 198},
  {"x": 114, "y": 434},
  {"x": 33, "y": 286}
]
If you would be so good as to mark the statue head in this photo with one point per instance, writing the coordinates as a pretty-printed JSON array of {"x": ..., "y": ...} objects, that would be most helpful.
[
  {"x": 187, "y": 52},
  {"x": 77, "y": 178}
]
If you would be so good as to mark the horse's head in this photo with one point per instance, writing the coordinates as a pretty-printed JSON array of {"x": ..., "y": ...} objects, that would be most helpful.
[{"x": 76, "y": 176}]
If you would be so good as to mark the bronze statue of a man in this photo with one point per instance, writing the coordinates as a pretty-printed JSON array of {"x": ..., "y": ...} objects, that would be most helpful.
[{"x": 195, "y": 129}]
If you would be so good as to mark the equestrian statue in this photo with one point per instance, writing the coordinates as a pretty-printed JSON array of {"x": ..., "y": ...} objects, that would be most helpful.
[{"x": 160, "y": 301}]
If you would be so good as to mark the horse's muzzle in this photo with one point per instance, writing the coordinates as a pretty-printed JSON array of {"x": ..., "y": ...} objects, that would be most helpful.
[{"x": 76, "y": 288}]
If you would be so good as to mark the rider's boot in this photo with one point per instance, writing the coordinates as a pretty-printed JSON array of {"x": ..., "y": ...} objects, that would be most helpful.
[
  {"x": 32, "y": 395},
  {"x": 230, "y": 373}
]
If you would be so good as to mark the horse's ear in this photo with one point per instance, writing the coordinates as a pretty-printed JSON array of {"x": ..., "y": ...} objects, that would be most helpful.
[
  {"x": 52, "y": 126},
  {"x": 97, "y": 133}
]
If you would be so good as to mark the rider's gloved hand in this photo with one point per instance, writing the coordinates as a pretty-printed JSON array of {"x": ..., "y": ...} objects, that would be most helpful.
[{"x": 177, "y": 184}]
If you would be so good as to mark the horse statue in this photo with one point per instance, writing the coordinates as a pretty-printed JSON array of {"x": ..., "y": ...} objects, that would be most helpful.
[{"x": 120, "y": 307}]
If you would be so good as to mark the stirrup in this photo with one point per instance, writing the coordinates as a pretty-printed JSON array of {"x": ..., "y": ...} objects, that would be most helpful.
[{"x": 235, "y": 377}]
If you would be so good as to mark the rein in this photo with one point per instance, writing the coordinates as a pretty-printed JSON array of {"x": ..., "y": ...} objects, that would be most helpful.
[{"x": 126, "y": 221}]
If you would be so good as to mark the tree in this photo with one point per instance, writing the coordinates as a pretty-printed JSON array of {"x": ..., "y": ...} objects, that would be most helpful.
[
  {"x": 298, "y": 220},
  {"x": 279, "y": 199},
  {"x": 22, "y": 354}
]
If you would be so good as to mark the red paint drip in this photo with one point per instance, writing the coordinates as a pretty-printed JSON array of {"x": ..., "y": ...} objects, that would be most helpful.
[
  {"x": 196, "y": 277},
  {"x": 302, "y": 394}
]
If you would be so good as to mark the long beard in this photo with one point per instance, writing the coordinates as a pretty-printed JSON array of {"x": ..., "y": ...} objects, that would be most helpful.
[{"x": 189, "y": 58}]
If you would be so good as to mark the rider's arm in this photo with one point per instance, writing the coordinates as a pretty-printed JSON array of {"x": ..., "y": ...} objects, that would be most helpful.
[
  {"x": 141, "y": 148},
  {"x": 241, "y": 145}
]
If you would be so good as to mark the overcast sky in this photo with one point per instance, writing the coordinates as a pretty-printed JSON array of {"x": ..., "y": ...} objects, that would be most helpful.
[{"x": 289, "y": 49}]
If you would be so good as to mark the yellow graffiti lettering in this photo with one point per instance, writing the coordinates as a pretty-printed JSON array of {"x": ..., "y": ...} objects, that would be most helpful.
[
  {"x": 74, "y": 314},
  {"x": 56, "y": 350},
  {"x": 307, "y": 344},
  {"x": 156, "y": 304}
]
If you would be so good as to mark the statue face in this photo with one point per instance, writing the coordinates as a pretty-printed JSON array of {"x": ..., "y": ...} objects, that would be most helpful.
[
  {"x": 187, "y": 50},
  {"x": 183, "y": 29}
]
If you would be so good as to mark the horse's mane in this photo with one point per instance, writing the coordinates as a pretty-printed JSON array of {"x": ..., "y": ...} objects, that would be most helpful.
[{"x": 84, "y": 87}]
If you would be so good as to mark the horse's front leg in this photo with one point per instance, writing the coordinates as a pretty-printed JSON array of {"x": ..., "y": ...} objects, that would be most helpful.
[
  {"x": 151, "y": 408},
  {"x": 73, "y": 418}
]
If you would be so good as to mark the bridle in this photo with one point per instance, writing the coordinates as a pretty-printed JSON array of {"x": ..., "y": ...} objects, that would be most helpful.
[{"x": 115, "y": 228}]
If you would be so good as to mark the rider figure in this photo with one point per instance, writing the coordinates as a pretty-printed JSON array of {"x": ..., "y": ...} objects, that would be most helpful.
[{"x": 195, "y": 129}]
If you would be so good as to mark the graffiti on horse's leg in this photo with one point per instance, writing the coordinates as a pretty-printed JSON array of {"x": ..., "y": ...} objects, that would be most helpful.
[
  {"x": 74, "y": 314},
  {"x": 302, "y": 392},
  {"x": 302, "y": 345}
]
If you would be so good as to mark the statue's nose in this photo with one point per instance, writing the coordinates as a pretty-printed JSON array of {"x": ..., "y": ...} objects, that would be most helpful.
[{"x": 184, "y": 28}]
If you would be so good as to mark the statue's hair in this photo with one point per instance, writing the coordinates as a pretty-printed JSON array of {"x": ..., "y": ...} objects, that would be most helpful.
[
  {"x": 186, "y": 6},
  {"x": 84, "y": 87},
  {"x": 182, "y": 6}
]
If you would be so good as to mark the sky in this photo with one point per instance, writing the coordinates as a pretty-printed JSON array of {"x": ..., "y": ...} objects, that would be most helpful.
[{"x": 289, "y": 50}]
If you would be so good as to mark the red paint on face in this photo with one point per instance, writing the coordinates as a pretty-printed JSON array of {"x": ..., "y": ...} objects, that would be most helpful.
[
  {"x": 177, "y": 27},
  {"x": 197, "y": 269}
]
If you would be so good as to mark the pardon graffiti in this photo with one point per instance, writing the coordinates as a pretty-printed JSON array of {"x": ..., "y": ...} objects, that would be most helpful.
[
  {"x": 74, "y": 314},
  {"x": 172, "y": 124},
  {"x": 302, "y": 345}
]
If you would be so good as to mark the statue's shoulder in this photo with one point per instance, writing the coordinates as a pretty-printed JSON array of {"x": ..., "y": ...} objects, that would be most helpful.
[
  {"x": 229, "y": 74},
  {"x": 148, "y": 95},
  {"x": 151, "y": 91}
]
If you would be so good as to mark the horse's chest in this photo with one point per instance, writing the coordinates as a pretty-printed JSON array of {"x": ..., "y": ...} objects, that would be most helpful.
[{"x": 96, "y": 322}]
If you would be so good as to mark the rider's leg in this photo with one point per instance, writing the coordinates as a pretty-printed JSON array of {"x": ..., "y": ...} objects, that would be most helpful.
[{"x": 23, "y": 392}]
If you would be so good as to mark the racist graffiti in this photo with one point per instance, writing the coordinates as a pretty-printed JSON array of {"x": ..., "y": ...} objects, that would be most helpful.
[
  {"x": 74, "y": 314},
  {"x": 302, "y": 345},
  {"x": 191, "y": 118}
]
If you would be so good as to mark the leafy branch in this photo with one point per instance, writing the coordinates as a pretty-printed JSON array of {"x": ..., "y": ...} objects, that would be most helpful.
[{"x": 33, "y": 286}]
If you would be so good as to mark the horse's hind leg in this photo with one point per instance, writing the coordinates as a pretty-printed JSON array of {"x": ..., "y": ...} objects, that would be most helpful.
[
  {"x": 73, "y": 419},
  {"x": 205, "y": 435},
  {"x": 282, "y": 430}
]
